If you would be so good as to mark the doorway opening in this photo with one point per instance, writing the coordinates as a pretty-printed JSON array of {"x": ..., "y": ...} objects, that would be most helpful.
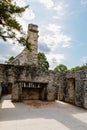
[{"x": 71, "y": 90}]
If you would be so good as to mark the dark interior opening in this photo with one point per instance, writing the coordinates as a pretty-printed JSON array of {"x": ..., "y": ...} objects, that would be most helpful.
[
  {"x": 32, "y": 93},
  {"x": 6, "y": 88}
]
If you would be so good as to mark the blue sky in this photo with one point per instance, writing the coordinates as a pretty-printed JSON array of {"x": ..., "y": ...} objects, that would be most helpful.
[{"x": 62, "y": 31}]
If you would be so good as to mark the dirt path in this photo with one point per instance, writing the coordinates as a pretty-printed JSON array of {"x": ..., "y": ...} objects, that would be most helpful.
[{"x": 48, "y": 116}]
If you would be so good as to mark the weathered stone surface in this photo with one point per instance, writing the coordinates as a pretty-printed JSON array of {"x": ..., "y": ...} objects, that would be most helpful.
[
  {"x": 73, "y": 88},
  {"x": 0, "y": 90},
  {"x": 69, "y": 87},
  {"x": 15, "y": 93}
]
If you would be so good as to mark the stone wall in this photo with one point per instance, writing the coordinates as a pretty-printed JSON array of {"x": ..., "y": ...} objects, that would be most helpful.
[
  {"x": 73, "y": 88},
  {"x": 35, "y": 74},
  {"x": 6, "y": 78},
  {"x": 69, "y": 87},
  {"x": 1, "y": 78},
  {"x": 13, "y": 74}
]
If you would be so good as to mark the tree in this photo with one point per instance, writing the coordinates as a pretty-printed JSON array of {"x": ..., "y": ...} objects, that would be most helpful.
[
  {"x": 9, "y": 26},
  {"x": 76, "y": 68},
  {"x": 60, "y": 68},
  {"x": 84, "y": 66},
  {"x": 42, "y": 61}
]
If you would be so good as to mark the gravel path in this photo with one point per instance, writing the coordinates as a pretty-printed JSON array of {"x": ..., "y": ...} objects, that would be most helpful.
[{"x": 47, "y": 116}]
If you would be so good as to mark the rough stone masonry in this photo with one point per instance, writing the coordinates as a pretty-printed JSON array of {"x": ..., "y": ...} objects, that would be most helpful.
[{"x": 25, "y": 80}]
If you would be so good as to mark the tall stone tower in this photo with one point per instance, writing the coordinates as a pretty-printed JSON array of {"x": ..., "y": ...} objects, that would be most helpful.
[
  {"x": 32, "y": 57},
  {"x": 29, "y": 57}
]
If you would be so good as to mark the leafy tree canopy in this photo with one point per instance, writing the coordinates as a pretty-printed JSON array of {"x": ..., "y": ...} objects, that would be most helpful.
[
  {"x": 79, "y": 67},
  {"x": 9, "y": 26},
  {"x": 42, "y": 61},
  {"x": 76, "y": 68},
  {"x": 60, "y": 68}
]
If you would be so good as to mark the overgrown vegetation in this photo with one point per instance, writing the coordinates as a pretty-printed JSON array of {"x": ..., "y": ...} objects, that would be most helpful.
[{"x": 42, "y": 61}]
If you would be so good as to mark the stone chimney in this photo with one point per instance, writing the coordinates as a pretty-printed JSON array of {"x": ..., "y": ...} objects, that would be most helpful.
[{"x": 32, "y": 57}]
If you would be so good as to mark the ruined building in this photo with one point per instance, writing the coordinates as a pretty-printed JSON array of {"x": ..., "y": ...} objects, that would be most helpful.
[
  {"x": 27, "y": 57},
  {"x": 25, "y": 80}
]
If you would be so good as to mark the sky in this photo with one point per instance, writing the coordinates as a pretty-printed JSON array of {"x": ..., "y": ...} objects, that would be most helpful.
[{"x": 62, "y": 28}]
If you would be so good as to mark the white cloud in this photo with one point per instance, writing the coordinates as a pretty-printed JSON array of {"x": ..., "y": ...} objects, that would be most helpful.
[
  {"x": 7, "y": 50},
  {"x": 56, "y": 40},
  {"x": 65, "y": 40},
  {"x": 5, "y": 57},
  {"x": 55, "y": 59},
  {"x": 17, "y": 48},
  {"x": 55, "y": 37},
  {"x": 60, "y": 10},
  {"x": 54, "y": 28},
  {"x": 83, "y": 1},
  {"x": 27, "y": 16},
  {"x": 2, "y": 59},
  {"x": 47, "y": 3},
  {"x": 20, "y": 3},
  {"x": 84, "y": 59}
]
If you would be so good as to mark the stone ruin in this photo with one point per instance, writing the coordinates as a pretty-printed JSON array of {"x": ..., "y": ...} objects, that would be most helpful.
[{"x": 25, "y": 80}]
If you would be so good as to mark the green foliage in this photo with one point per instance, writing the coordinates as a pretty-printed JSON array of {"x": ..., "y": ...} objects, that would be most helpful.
[
  {"x": 84, "y": 66},
  {"x": 9, "y": 26},
  {"x": 76, "y": 68},
  {"x": 60, "y": 68},
  {"x": 28, "y": 44},
  {"x": 42, "y": 61},
  {"x": 10, "y": 59}
]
